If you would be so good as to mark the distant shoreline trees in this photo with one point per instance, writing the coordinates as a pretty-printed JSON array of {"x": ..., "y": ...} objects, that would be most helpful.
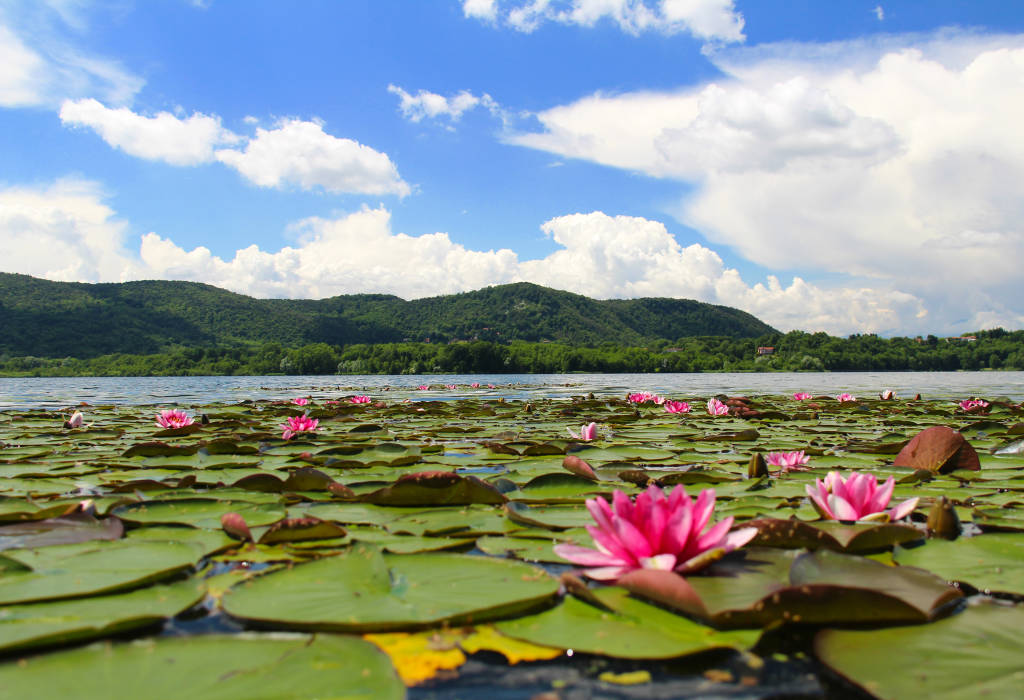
[{"x": 794, "y": 351}]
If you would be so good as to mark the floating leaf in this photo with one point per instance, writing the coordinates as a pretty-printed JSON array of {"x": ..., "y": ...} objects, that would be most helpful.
[
  {"x": 210, "y": 666},
  {"x": 974, "y": 654},
  {"x": 367, "y": 591},
  {"x": 64, "y": 621},
  {"x": 939, "y": 449},
  {"x": 988, "y": 562},
  {"x": 435, "y": 489},
  {"x": 636, "y": 630}
]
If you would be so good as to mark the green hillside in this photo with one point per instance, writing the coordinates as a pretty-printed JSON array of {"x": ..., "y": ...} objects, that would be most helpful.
[{"x": 58, "y": 319}]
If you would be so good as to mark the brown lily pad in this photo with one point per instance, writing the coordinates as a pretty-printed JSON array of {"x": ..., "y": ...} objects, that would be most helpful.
[
  {"x": 435, "y": 488},
  {"x": 939, "y": 449}
]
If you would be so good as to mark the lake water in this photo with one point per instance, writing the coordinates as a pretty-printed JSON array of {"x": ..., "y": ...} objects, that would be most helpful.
[{"x": 61, "y": 392}]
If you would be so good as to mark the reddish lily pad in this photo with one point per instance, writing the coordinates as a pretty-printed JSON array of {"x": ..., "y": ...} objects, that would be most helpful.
[
  {"x": 820, "y": 587},
  {"x": 939, "y": 449},
  {"x": 831, "y": 534},
  {"x": 435, "y": 489}
]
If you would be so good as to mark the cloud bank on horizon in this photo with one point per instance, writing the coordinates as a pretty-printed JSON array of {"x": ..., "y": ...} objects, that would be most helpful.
[{"x": 862, "y": 183}]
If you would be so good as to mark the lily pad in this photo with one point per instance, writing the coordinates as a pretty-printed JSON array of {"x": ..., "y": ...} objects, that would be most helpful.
[
  {"x": 635, "y": 630},
  {"x": 974, "y": 654},
  {"x": 366, "y": 591},
  {"x": 63, "y": 621},
  {"x": 990, "y": 562},
  {"x": 213, "y": 666}
]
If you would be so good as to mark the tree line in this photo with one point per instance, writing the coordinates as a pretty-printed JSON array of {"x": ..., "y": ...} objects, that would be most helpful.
[{"x": 794, "y": 351}]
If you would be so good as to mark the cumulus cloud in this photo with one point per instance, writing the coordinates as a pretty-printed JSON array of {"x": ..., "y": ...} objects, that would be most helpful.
[
  {"x": 163, "y": 136},
  {"x": 712, "y": 20},
  {"x": 896, "y": 160},
  {"x": 65, "y": 231},
  {"x": 430, "y": 105},
  {"x": 301, "y": 153}
]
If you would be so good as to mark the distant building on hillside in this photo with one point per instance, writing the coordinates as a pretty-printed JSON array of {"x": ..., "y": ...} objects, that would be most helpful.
[{"x": 765, "y": 350}]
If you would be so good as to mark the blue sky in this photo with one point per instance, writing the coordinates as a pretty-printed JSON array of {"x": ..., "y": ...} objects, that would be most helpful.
[{"x": 840, "y": 166}]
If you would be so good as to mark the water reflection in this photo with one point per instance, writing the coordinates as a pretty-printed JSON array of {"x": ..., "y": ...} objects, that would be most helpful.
[{"x": 59, "y": 392}]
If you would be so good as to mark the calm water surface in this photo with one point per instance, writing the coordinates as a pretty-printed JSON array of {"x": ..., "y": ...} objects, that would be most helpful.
[{"x": 59, "y": 392}]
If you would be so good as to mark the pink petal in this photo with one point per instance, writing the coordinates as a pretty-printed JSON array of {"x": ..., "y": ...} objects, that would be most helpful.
[
  {"x": 623, "y": 506},
  {"x": 608, "y": 573},
  {"x": 585, "y": 556},
  {"x": 702, "y": 510},
  {"x": 819, "y": 499},
  {"x": 738, "y": 538},
  {"x": 664, "y": 562},
  {"x": 903, "y": 509},
  {"x": 713, "y": 537},
  {"x": 882, "y": 496},
  {"x": 841, "y": 508},
  {"x": 632, "y": 539}
]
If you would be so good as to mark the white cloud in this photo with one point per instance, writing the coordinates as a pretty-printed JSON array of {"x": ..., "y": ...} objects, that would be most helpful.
[
  {"x": 480, "y": 9},
  {"x": 896, "y": 160},
  {"x": 301, "y": 153},
  {"x": 430, "y": 105},
  {"x": 63, "y": 232},
  {"x": 879, "y": 12},
  {"x": 163, "y": 137},
  {"x": 711, "y": 20},
  {"x": 40, "y": 65}
]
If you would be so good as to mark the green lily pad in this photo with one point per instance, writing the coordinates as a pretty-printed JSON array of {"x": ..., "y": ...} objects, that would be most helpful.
[
  {"x": 990, "y": 562},
  {"x": 76, "y": 570},
  {"x": 64, "y": 621},
  {"x": 199, "y": 512},
  {"x": 214, "y": 666},
  {"x": 635, "y": 630},
  {"x": 975, "y": 654},
  {"x": 367, "y": 591}
]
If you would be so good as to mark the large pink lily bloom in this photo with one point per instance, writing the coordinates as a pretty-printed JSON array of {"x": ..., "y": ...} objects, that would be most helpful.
[
  {"x": 717, "y": 408},
  {"x": 300, "y": 401},
  {"x": 788, "y": 461},
  {"x": 969, "y": 404},
  {"x": 801, "y": 396},
  {"x": 298, "y": 424},
  {"x": 846, "y": 398},
  {"x": 645, "y": 397},
  {"x": 857, "y": 497},
  {"x": 654, "y": 533},
  {"x": 586, "y": 434},
  {"x": 173, "y": 419},
  {"x": 363, "y": 398},
  {"x": 677, "y": 407}
]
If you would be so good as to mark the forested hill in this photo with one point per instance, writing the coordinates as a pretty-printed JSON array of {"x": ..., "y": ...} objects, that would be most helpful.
[{"x": 58, "y": 319}]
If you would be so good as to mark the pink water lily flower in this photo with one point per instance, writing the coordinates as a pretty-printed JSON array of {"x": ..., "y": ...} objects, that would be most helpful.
[
  {"x": 474, "y": 385},
  {"x": 845, "y": 398},
  {"x": 677, "y": 407},
  {"x": 360, "y": 399},
  {"x": 644, "y": 397},
  {"x": 969, "y": 404},
  {"x": 801, "y": 396},
  {"x": 654, "y": 533},
  {"x": 587, "y": 432},
  {"x": 451, "y": 386},
  {"x": 173, "y": 419},
  {"x": 857, "y": 497},
  {"x": 300, "y": 401},
  {"x": 298, "y": 424},
  {"x": 75, "y": 421},
  {"x": 717, "y": 408},
  {"x": 788, "y": 461},
  {"x": 887, "y": 395},
  {"x": 423, "y": 387}
]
